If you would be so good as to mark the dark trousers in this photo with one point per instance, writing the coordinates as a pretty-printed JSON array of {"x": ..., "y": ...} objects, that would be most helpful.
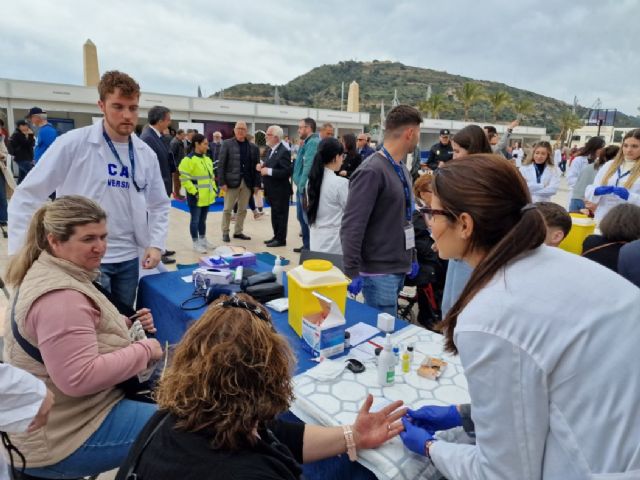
[
  {"x": 279, "y": 215},
  {"x": 24, "y": 167},
  {"x": 198, "y": 223}
]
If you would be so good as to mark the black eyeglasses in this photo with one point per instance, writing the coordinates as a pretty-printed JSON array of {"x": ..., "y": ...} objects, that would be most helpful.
[{"x": 430, "y": 212}]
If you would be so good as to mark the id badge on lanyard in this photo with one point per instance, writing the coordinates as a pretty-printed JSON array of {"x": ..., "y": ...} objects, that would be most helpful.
[{"x": 409, "y": 237}]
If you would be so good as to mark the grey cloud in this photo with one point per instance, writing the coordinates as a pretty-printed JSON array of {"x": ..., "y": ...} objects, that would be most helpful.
[{"x": 559, "y": 49}]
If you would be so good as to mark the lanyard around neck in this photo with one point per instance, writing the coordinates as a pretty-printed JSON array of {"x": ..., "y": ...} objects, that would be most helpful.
[
  {"x": 622, "y": 175},
  {"x": 405, "y": 185},
  {"x": 131, "y": 158}
]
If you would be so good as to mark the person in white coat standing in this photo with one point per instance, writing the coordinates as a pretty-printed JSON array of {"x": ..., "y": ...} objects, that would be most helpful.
[
  {"x": 618, "y": 180},
  {"x": 326, "y": 197},
  {"x": 552, "y": 375},
  {"x": 108, "y": 163},
  {"x": 585, "y": 156},
  {"x": 540, "y": 173}
]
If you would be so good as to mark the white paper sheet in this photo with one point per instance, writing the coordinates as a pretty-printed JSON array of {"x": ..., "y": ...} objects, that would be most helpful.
[
  {"x": 187, "y": 279},
  {"x": 361, "y": 332}
]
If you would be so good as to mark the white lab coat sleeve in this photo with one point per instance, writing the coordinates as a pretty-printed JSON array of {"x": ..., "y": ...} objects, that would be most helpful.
[
  {"x": 553, "y": 183},
  {"x": 589, "y": 191},
  {"x": 510, "y": 410},
  {"x": 574, "y": 170},
  {"x": 343, "y": 194},
  {"x": 158, "y": 206},
  {"x": 44, "y": 179},
  {"x": 21, "y": 395}
]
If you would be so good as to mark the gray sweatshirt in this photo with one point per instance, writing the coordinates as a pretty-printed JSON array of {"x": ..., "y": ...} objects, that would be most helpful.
[{"x": 372, "y": 232}]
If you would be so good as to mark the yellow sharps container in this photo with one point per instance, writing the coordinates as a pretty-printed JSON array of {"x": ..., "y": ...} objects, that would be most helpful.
[
  {"x": 319, "y": 276},
  {"x": 581, "y": 227}
]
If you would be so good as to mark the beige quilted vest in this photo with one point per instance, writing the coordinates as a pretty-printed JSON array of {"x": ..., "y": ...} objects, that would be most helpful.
[{"x": 72, "y": 419}]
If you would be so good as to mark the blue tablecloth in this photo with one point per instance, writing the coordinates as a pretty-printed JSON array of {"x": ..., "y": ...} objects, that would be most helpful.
[{"x": 165, "y": 292}]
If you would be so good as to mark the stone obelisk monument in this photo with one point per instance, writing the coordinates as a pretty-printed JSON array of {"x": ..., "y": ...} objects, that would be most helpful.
[
  {"x": 353, "y": 98},
  {"x": 90, "y": 60}
]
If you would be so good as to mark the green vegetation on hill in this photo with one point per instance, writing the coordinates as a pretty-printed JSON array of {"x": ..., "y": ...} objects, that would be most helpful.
[{"x": 377, "y": 79}]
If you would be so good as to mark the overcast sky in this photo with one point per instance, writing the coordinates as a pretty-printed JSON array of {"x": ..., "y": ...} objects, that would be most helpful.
[{"x": 587, "y": 48}]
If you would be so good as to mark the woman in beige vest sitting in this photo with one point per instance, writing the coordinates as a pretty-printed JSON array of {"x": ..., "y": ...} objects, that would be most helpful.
[{"x": 61, "y": 329}]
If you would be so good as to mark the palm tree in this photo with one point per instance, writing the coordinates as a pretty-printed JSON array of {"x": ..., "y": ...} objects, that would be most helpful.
[
  {"x": 523, "y": 108},
  {"x": 499, "y": 101},
  {"x": 568, "y": 122},
  {"x": 470, "y": 94},
  {"x": 434, "y": 105}
]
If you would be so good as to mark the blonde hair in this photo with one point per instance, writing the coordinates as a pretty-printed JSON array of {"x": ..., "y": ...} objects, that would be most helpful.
[
  {"x": 547, "y": 147},
  {"x": 58, "y": 218},
  {"x": 619, "y": 160}
]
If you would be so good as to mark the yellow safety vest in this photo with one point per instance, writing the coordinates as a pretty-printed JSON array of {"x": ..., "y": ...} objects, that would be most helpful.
[{"x": 196, "y": 176}]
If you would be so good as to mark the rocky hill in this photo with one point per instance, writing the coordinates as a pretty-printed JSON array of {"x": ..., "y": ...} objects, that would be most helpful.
[{"x": 378, "y": 79}]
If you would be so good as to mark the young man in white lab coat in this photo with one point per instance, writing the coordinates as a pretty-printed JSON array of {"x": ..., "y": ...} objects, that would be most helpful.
[{"x": 109, "y": 164}]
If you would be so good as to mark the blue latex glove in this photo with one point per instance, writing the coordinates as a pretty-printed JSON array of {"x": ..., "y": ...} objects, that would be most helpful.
[
  {"x": 355, "y": 287},
  {"x": 434, "y": 418},
  {"x": 413, "y": 273},
  {"x": 603, "y": 190},
  {"x": 622, "y": 192},
  {"x": 414, "y": 437}
]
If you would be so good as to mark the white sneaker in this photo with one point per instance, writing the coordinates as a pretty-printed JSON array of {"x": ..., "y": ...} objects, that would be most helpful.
[
  {"x": 199, "y": 247},
  {"x": 207, "y": 244}
]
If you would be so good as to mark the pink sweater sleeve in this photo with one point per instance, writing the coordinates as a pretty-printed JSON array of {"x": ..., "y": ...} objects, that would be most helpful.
[{"x": 63, "y": 322}]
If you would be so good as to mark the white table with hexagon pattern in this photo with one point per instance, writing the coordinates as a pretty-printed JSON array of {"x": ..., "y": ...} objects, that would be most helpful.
[{"x": 337, "y": 401}]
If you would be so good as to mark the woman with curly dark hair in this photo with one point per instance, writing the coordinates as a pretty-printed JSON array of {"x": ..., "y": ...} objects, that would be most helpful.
[{"x": 230, "y": 379}]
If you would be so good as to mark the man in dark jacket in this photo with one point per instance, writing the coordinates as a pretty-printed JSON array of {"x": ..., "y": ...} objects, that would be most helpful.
[
  {"x": 377, "y": 235},
  {"x": 276, "y": 172},
  {"x": 362, "y": 145},
  {"x": 441, "y": 151},
  {"x": 176, "y": 149},
  {"x": 238, "y": 178},
  {"x": 159, "y": 120},
  {"x": 21, "y": 146},
  {"x": 214, "y": 151}
]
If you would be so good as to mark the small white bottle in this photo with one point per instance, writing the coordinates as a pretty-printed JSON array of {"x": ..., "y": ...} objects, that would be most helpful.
[
  {"x": 238, "y": 276},
  {"x": 277, "y": 270},
  {"x": 387, "y": 365}
]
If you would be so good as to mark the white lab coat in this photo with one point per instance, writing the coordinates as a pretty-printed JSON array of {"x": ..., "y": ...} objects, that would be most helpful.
[
  {"x": 517, "y": 154},
  {"x": 325, "y": 232},
  {"x": 21, "y": 395},
  {"x": 552, "y": 368},
  {"x": 575, "y": 169},
  {"x": 549, "y": 182},
  {"x": 75, "y": 164},
  {"x": 607, "y": 202}
]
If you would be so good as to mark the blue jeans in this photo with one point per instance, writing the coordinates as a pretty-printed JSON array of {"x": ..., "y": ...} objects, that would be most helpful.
[
  {"x": 121, "y": 279},
  {"x": 302, "y": 218},
  {"x": 576, "y": 204},
  {"x": 198, "y": 223},
  {"x": 381, "y": 291},
  {"x": 3, "y": 200},
  {"x": 107, "y": 448}
]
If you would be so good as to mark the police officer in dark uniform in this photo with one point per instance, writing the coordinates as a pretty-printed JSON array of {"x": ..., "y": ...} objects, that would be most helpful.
[{"x": 441, "y": 151}]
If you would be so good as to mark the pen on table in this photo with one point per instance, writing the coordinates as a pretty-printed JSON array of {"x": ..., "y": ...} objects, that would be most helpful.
[{"x": 374, "y": 344}]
